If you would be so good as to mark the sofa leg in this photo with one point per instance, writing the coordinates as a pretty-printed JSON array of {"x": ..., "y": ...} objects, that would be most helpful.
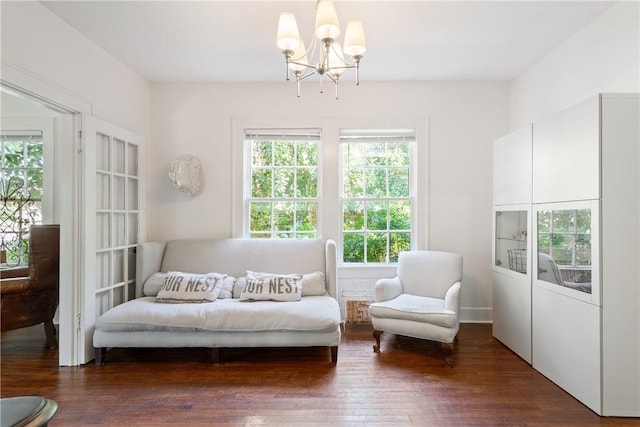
[
  {"x": 101, "y": 355},
  {"x": 447, "y": 349},
  {"x": 50, "y": 332},
  {"x": 215, "y": 355},
  {"x": 376, "y": 347},
  {"x": 334, "y": 354}
]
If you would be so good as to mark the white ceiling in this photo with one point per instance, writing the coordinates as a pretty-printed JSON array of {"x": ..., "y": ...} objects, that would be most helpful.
[{"x": 406, "y": 40}]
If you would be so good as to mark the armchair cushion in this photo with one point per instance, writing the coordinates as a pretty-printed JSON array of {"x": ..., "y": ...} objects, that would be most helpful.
[{"x": 415, "y": 308}]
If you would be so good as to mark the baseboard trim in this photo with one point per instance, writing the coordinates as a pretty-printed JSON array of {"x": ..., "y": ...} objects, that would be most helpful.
[{"x": 476, "y": 315}]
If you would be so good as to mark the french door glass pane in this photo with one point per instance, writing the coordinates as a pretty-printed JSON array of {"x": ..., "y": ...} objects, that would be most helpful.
[
  {"x": 103, "y": 191},
  {"x": 132, "y": 160},
  {"x": 132, "y": 229},
  {"x": 103, "y": 230},
  {"x": 132, "y": 194},
  {"x": 119, "y": 229},
  {"x": 118, "y": 267},
  {"x": 103, "y": 153},
  {"x": 102, "y": 270},
  {"x": 118, "y": 193},
  {"x": 118, "y": 156}
]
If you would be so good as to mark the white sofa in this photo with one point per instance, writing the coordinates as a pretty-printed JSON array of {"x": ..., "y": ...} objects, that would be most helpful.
[{"x": 313, "y": 320}]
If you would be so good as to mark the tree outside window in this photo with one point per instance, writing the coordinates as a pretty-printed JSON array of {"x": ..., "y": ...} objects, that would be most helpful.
[
  {"x": 377, "y": 202},
  {"x": 283, "y": 197}
]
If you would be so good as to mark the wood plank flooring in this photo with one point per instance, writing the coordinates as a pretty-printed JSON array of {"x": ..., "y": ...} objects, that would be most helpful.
[{"x": 407, "y": 384}]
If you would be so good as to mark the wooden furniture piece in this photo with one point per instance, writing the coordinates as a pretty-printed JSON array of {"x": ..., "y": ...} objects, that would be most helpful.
[
  {"x": 422, "y": 301},
  {"x": 26, "y": 411},
  {"x": 33, "y": 298}
]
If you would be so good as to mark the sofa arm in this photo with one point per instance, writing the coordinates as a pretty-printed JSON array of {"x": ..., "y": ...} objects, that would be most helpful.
[
  {"x": 15, "y": 285},
  {"x": 331, "y": 269},
  {"x": 452, "y": 298},
  {"x": 148, "y": 261},
  {"x": 387, "y": 289}
]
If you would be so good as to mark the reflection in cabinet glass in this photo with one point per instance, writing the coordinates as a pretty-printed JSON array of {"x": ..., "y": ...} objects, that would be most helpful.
[
  {"x": 564, "y": 248},
  {"x": 511, "y": 240}
]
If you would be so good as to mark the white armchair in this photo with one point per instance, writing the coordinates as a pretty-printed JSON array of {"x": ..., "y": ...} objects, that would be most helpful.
[{"x": 422, "y": 301}]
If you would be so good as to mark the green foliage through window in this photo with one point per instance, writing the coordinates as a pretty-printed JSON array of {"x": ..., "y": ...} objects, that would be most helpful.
[
  {"x": 376, "y": 196},
  {"x": 283, "y": 200}
]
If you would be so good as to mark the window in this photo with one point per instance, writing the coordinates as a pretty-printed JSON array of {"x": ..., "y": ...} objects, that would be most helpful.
[
  {"x": 376, "y": 196},
  {"x": 283, "y": 193},
  {"x": 22, "y": 189}
]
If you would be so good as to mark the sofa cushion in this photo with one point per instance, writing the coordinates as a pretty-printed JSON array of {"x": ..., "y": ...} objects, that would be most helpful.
[
  {"x": 274, "y": 287},
  {"x": 413, "y": 307},
  {"x": 181, "y": 287},
  {"x": 312, "y": 314}
]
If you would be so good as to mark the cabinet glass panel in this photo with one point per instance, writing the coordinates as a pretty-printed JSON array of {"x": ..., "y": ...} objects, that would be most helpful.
[
  {"x": 564, "y": 248},
  {"x": 511, "y": 240}
]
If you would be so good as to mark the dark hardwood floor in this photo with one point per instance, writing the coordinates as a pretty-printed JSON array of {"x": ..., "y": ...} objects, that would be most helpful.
[{"x": 406, "y": 384}]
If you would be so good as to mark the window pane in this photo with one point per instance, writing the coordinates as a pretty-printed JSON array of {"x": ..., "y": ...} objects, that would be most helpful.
[
  {"x": 353, "y": 216},
  {"x": 35, "y": 155},
  {"x": 376, "y": 215},
  {"x": 307, "y": 154},
  {"x": 260, "y": 216},
  {"x": 353, "y": 183},
  {"x": 283, "y": 183},
  {"x": 583, "y": 220},
  {"x": 376, "y": 182},
  {"x": 376, "y": 247},
  {"x": 307, "y": 185},
  {"x": 353, "y": 247},
  {"x": 376, "y": 155},
  {"x": 284, "y": 153},
  {"x": 261, "y": 183},
  {"x": 583, "y": 249},
  {"x": 118, "y": 156},
  {"x": 261, "y": 153},
  {"x": 103, "y": 154},
  {"x": 355, "y": 154},
  {"x": 306, "y": 216},
  {"x": 14, "y": 154},
  {"x": 561, "y": 249},
  {"x": 399, "y": 215},
  {"x": 283, "y": 216},
  {"x": 398, "y": 242},
  {"x": 544, "y": 221},
  {"x": 34, "y": 183},
  {"x": 398, "y": 182},
  {"x": 398, "y": 154}
]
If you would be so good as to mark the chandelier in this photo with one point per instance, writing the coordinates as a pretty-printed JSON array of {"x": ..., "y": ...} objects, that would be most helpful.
[{"x": 327, "y": 56}]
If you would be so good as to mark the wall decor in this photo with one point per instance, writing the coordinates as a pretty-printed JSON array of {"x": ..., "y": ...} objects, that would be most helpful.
[{"x": 186, "y": 175}]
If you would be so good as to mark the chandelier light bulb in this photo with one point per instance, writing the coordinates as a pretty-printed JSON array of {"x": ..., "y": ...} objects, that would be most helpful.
[
  {"x": 327, "y": 26},
  {"x": 288, "y": 36},
  {"x": 354, "y": 43}
]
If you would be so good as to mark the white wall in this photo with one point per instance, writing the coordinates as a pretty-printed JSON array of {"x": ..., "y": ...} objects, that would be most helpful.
[
  {"x": 40, "y": 45},
  {"x": 464, "y": 117},
  {"x": 604, "y": 56}
]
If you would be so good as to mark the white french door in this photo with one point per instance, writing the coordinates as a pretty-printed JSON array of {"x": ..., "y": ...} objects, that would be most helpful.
[{"x": 111, "y": 222}]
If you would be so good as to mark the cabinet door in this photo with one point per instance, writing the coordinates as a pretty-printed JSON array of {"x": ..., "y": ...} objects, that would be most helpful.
[
  {"x": 512, "y": 168},
  {"x": 566, "y": 154}
]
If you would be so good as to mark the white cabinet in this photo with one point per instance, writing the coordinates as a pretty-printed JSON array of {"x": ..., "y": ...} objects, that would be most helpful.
[
  {"x": 583, "y": 285},
  {"x": 511, "y": 241},
  {"x": 512, "y": 168}
]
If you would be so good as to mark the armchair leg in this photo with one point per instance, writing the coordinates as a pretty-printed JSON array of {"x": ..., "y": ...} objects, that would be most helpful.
[
  {"x": 376, "y": 347},
  {"x": 50, "y": 332},
  {"x": 447, "y": 349},
  {"x": 100, "y": 355}
]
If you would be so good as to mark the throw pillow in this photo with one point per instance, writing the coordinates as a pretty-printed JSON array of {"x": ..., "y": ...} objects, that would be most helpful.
[
  {"x": 181, "y": 287},
  {"x": 226, "y": 291},
  {"x": 274, "y": 287},
  {"x": 313, "y": 284},
  {"x": 153, "y": 284}
]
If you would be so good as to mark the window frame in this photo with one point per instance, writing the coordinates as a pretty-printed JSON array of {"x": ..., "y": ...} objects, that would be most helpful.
[
  {"x": 297, "y": 135},
  {"x": 373, "y": 136}
]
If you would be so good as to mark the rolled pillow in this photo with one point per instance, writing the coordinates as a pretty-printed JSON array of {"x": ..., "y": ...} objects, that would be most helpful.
[
  {"x": 313, "y": 284},
  {"x": 179, "y": 287}
]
